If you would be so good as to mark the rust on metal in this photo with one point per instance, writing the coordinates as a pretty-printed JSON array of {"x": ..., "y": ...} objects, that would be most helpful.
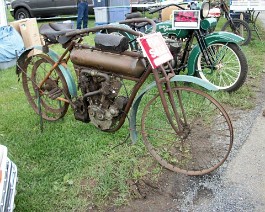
[{"x": 119, "y": 64}]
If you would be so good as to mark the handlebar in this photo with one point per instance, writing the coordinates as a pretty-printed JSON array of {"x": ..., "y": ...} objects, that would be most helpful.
[
  {"x": 151, "y": 11},
  {"x": 140, "y": 20},
  {"x": 114, "y": 27}
]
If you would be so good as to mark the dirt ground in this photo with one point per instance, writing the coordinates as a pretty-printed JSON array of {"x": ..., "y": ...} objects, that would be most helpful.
[
  {"x": 216, "y": 191},
  {"x": 161, "y": 196}
]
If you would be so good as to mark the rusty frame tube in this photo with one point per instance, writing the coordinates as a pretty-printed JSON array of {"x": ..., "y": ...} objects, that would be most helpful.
[
  {"x": 57, "y": 63},
  {"x": 62, "y": 99},
  {"x": 60, "y": 61},
  {"x": 135, "y": 89}
]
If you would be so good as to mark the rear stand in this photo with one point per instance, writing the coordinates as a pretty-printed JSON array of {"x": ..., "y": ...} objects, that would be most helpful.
[{"x": 40, "y": 112}]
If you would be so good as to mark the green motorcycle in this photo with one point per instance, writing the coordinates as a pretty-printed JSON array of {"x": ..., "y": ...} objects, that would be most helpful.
[{"x": 215, "y": 57}]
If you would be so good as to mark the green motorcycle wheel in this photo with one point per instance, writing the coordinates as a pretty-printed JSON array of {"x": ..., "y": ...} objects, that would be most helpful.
[{"x": 229, "y": 66}]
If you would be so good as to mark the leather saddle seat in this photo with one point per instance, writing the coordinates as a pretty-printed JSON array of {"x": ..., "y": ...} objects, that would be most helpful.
[{"x": 55, "y": 32}]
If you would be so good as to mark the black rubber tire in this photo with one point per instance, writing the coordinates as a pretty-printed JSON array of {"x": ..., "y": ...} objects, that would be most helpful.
[
  {"x": 22, "y": 13},
  {"x": 231, "y": 67},
  {"x": 239, "y": 23},
  {"x": 203, "y": 143}
]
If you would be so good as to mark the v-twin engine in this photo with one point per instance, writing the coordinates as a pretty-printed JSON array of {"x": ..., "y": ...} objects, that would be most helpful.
[
  {"x": 101, "y": 103},
  {"x": 99, "y": 76}
]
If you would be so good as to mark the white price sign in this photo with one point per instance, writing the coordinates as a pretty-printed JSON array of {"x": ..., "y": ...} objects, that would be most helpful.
[{"x": 155, "y": 48}]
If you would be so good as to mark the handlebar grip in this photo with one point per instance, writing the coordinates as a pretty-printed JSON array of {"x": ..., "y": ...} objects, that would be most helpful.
[{"x": 180, "y": 6}]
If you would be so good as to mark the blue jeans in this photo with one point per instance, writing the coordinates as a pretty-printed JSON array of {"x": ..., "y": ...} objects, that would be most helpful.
[{"x": 82, "y": 15}]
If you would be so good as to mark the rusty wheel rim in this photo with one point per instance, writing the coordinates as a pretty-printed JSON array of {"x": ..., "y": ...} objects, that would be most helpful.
[
  {"x": 207, "y": 143},
  {"x": 35, "y": 68}
]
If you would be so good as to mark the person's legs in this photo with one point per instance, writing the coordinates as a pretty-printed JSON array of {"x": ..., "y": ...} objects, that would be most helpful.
[
  {"x": 85, "y": 17},
  {"x": 80, "y": 14}
]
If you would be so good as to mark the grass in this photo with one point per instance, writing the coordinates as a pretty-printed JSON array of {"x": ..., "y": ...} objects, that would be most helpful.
[{"x": 72, "y": 166}]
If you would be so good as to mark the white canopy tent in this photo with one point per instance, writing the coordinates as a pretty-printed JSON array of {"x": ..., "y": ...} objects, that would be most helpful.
[
  {"x": 3, "y": 19},
  {"x": 244, "y": 5}
]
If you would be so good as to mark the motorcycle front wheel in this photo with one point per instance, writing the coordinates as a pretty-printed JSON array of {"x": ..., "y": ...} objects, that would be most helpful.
[
  {"x": 229, "y": 66},
  {"x": 239, "y": 27},
  {"x": 203, "y": 143}
]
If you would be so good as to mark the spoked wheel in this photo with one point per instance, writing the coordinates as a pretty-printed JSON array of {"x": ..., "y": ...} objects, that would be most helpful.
[
  {"x": 205, "y": 140},
  {"x": 52, "y": 93},
  {"x": 239, "y": 27},
  {"x": 229, "y": 69}
]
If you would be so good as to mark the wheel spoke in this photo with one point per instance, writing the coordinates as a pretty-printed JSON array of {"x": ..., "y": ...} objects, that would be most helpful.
[
  {"x": 227, "y": 72},
  {"x": 205, "y": 141},
  {"x": 36, "y": 69}
]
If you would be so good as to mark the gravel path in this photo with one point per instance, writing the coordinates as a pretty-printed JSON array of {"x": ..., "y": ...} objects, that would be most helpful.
[{"x": 239, "y": 185}]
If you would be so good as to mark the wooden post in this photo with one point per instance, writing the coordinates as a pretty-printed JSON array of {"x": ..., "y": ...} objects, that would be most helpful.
[{"x": 241, "y": 26}]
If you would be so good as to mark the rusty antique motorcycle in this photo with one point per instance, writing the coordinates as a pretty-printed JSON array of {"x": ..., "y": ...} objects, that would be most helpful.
[{"x": 185, "y": 129}]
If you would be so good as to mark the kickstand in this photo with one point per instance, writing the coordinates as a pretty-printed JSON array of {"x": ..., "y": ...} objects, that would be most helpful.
[
  {"x": 60, "y": 106},
  {"x": 40, "y": 113}
]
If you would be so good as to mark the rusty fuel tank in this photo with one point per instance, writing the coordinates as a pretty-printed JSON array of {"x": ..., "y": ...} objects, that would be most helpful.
[{"x": 109, "y": 62}]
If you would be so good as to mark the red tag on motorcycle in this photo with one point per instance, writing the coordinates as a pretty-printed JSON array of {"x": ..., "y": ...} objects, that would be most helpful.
[{"x": 155, "y": 49}]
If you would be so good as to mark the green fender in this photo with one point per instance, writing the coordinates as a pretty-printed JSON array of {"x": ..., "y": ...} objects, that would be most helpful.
[
  {"x": 66, "y": 73},
  {"x": 177, "y": 78},
  {"x": 216, "y": 37}
]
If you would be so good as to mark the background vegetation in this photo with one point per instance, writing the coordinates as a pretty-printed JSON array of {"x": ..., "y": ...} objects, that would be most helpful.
[{"x": 74, "y": 166}]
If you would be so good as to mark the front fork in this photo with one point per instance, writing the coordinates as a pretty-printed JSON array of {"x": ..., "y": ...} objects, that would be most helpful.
[
  {"x": 165, "y": 81},
  {"x": 207, "y": 54}
]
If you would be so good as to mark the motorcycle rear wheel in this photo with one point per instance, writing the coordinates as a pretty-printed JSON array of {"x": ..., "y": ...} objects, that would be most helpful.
[
  {"x": 205, "y": 141},
  {"x": 229, "y": 69},
  {"x": 35, "y": 69},
  {"x": 238, "y": 27}
]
